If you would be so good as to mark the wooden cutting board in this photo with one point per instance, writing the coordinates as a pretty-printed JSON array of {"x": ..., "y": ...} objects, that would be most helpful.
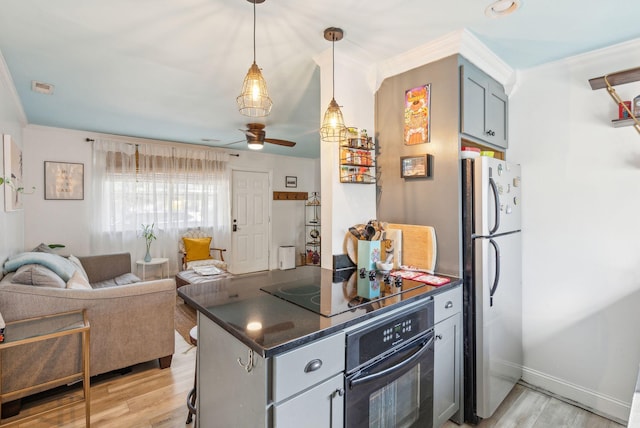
[{"x": 419, "y": 247}]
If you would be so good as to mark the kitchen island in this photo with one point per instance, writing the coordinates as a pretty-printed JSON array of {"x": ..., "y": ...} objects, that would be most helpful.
[{"x": 251, "y": 341}]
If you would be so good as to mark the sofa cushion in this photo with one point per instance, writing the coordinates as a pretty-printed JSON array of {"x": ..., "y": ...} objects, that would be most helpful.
[
  {"x": 78, "y": 264},
  {"x": 126, "y": 278},
  {"x": 32, "y": 274},
  {"x": 78, "y": 282},
  {"x": 60, "y": 265},
  {"x": 197, "y": 248}
]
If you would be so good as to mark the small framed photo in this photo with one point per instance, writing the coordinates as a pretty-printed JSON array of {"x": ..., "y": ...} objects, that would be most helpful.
[
  {"x": 415, "y": 166},
  {"x": 291, "y": 181},
  {"x": 63, "y": 180}
]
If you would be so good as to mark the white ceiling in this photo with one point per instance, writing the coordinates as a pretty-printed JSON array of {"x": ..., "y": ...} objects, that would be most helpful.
[{"x": 171, "y": 69}]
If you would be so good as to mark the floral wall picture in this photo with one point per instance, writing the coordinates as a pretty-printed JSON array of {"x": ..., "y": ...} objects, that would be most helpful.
[
  {"x": 12, "y": 174},
  {"x": 417, "y": 121}
]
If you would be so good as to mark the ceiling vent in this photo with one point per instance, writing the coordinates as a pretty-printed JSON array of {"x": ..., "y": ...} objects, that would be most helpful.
[{"x": 41, "y": 88}]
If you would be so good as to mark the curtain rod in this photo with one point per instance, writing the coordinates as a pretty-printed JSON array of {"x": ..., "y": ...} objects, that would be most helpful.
[{"x": 91, "y": 140}]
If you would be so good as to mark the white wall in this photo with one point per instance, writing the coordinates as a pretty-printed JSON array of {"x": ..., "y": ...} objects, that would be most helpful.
[
  {"x": 12, "y": 120},
  {"x": 344, "y": 204},
  {"x": 68, "y": 222},
  {"x": 581, "y": 234}
]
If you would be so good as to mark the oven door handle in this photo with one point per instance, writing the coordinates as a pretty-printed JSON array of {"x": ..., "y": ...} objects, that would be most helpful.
[{"x": 423, "y": 346}]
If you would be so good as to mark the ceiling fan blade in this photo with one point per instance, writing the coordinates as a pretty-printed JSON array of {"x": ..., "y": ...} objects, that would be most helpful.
[
  {"x": 279, "y": 142},
  {"x": 231, "y": 143}
]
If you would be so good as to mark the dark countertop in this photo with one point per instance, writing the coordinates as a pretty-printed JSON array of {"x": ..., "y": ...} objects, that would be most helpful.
[{"x": 237, "y": 302}]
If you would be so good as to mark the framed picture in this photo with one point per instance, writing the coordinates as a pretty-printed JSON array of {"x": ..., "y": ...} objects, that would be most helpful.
[
  {"x": 417, "y": 115},
  {"x": 415, "y": 166},
  {"x": 63, "y": 180},
  {"x": 12, "y": 173},
  {"x": 291, "y": 181}
]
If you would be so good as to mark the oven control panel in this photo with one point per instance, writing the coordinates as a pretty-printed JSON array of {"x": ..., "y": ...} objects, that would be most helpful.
[{"x": 382, "y": 337}]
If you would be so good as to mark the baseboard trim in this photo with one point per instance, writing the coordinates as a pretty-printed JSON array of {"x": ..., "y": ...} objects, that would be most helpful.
[{"x": 593, "y": 401}]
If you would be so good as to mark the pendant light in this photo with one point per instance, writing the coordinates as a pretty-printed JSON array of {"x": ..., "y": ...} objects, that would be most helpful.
[
  {"x": 333, "y": 129},
  {"x": 254, "y": 99}
]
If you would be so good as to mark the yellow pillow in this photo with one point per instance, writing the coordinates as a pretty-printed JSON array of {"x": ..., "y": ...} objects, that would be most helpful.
[{"x": 197, "y": 248}]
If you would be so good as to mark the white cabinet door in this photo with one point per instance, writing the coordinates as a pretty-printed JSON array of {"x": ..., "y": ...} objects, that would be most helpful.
[{"x": 319, "y": 407}]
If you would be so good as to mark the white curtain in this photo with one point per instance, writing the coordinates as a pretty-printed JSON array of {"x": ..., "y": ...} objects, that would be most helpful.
[{"x": 174, "y": 188}]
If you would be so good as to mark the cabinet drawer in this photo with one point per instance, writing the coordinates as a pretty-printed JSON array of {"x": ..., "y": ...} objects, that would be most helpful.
[
  {"x": 306, "y": 366},
  {"x": 447, "y": 303}
]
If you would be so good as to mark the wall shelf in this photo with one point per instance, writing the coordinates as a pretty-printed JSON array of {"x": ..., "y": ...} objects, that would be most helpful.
[{"x": 618, "y": 78}]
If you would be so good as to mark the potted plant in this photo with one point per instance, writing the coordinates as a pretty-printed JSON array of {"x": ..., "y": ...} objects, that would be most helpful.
[{"x": 149, "y": 235}]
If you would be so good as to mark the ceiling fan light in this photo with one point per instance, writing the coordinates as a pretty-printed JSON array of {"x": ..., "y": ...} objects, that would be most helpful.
[
  {"x": 254, "y": 99},
  {"x": 255, "y": 145},
  {"x": 333, "y": 129}
]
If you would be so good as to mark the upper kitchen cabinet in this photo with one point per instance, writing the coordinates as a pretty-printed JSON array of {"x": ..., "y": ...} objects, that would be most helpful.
[{"x": 484, "y": 107}]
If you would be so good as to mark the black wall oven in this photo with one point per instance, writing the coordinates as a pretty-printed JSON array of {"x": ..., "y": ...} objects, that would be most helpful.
[{"x": 389, "y": 374}]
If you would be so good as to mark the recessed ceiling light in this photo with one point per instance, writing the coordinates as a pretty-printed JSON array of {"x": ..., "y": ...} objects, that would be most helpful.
[
  {"x": 501, "y": 8},
  {"x": 41, "y": 87}
]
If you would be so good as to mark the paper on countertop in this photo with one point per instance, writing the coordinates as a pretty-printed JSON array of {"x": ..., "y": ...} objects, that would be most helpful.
[{"x": 421, "y": 277}]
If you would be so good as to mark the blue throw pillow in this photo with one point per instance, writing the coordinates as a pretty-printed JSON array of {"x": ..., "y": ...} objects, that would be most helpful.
[{"x": 63, "y": 267}]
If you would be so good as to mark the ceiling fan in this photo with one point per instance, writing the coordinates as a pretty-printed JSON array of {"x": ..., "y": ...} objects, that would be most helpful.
[{"x": 256, "y": 137}]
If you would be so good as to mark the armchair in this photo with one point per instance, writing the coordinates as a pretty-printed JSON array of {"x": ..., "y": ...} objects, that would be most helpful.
[{"x": 195, "y": 250}]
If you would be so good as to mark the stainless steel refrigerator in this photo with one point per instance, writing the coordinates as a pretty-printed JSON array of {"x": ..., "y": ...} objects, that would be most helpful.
[{"x": 492, "y": 272}]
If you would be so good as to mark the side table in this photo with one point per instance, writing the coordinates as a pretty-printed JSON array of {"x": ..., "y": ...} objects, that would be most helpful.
[
  {"x": 156, "y": 261},
  {"x": 47, "y": 327}
]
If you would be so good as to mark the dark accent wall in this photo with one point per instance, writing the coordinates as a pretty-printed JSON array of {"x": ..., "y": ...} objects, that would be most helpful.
[{"x": 433, "y": 201}]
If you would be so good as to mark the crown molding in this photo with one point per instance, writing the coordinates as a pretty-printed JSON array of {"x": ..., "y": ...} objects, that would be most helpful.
[
  {"x": 7, "y": 82},
  {"x": 460, "y": 42}
]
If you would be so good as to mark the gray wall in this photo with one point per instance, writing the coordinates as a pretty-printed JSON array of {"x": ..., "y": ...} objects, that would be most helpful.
[{"x": 433, "y": 201}]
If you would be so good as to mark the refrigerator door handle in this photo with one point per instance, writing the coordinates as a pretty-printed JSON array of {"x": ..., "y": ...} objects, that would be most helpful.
[
  {"x": 496, "y": 280},
  {"x": 496, "y": 200}
]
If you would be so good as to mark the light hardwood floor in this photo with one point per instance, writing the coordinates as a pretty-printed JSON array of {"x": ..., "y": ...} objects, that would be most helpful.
[{"x": 150, "y": 397}]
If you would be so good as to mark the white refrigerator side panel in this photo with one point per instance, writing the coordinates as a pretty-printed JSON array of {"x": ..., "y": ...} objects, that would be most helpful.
[
  {"x": 498, "y": 326},
  {"x": 506, "y": 177}
]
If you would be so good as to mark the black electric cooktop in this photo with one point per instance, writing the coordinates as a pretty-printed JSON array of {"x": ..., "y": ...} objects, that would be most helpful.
[{"x": 345, "y": 291}]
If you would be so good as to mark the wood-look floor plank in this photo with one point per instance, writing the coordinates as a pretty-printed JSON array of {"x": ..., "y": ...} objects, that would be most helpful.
[{"x": 148, "y": 397}]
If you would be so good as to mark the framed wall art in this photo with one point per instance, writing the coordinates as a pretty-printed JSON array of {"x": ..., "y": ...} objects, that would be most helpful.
[
  {"x": 417, "y": 115},
  {"x": 415, "y": 166},
  {"x": 291, "y": 181},
  {"x": 13, "y": 174},
  {"x": 63, "y": 180}
]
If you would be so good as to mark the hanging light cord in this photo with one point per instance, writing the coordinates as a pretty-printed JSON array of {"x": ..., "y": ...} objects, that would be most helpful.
[
  {"x": 333, "y": 66},
  {"x": 254, "y": 31}
]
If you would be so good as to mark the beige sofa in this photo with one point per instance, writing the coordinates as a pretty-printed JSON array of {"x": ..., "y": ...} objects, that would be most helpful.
[{"x": 130, "y": 324}]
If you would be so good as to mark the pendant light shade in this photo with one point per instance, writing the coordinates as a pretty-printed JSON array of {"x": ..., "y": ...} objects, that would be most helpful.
[
  {"x": 333, "y": 129},
  {"x": 254, "y": 99}
]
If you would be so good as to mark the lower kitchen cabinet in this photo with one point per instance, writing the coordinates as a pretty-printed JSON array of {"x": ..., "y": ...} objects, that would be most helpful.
[
  {"x": 319, "y": 407},
  {"x": 447, "y": 385},
  {"x": 238, "y": 387}
]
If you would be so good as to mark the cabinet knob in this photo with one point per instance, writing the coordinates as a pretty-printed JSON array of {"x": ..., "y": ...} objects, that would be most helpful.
[
  {"x": 438, "y": 337},
  {"x": 491, "y": 133},
  {"x": 448, "y": 305}
]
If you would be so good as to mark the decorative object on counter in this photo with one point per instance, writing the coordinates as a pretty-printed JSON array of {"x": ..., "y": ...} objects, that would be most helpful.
[
  {"x": 415, "y": 166},
  {"x": 368, "y": 254},
  {"x": 333, "y": 129},
  {"x": 291, "y": 181},
  {"x": 63, "y": 180},
  {"x": 254, "y": 99},
  {"x": 417, "y": 123},
  {"x": 149, "y": 236}
]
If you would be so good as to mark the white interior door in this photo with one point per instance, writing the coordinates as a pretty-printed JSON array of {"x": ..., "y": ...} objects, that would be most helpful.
[{"x": 250, "y": 222}]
